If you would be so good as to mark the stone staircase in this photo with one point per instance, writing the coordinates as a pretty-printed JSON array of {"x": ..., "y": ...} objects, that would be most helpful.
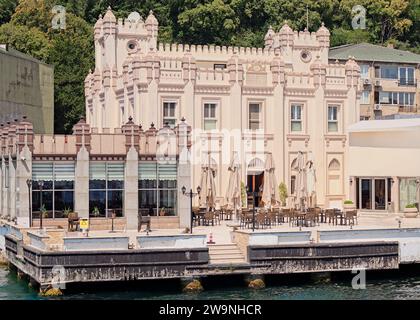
[{"x": 225, "y": 254}]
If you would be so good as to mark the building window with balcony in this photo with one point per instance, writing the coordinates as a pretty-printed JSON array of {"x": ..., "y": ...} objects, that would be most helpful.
[
  {"x": 406, "y": 76},
  {"x": 333, "y": 118},
  {"x": 255, "y": 116},
  {"x": 169, "y": 118},
  {"x": 210, "y": 121},
  {"x": 157, "y": 188},
  {"x": 296, "y": 118},
  {"x": 57, "y": 190},
  {"x": 364, "y": 71},
  {"x": 106, "y": 189},
  {"x": 365, "y": 99}
]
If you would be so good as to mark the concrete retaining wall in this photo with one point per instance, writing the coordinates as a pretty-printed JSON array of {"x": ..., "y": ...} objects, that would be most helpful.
[
  {"x": 273, "y": 238},
  {"x": 95, "y": 243},
  {"x": 176, "y": 241}
]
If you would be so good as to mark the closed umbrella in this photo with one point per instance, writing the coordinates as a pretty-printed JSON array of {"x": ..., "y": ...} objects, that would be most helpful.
[
  {"x": 300, "y": 181},
  {"x": 233, "y": 193},
  {"x": 311, "y": 184},
  {"x": 208, "y": 185},
  {"x": 270, "y": 193}
]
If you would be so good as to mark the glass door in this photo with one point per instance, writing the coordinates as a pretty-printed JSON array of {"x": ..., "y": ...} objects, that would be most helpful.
[
  {"x": 365, "y": 194},
  {"x": 380, "y": 194}
]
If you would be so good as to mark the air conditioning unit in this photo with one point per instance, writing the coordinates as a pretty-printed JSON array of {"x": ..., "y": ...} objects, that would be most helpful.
[
  {"x": 366, "y": 81},
  {"x": 378, "y": 83},
  {"x": 377, "y": 106}
]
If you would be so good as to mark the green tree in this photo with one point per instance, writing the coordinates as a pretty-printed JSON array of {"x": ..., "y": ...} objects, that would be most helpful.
[{"x": 7, "y": 7}]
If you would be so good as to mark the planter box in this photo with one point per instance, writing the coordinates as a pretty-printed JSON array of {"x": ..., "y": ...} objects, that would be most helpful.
[{"x": 410, "y": 213}]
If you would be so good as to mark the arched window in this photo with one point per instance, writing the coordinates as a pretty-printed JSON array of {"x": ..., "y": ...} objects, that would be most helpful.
[
  {"x": 334, "y": 165},
  {"x": 256, "y": 163}
]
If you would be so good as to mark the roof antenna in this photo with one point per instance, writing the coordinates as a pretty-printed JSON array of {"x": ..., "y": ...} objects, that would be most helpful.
[{"x": 307, "y": 17}]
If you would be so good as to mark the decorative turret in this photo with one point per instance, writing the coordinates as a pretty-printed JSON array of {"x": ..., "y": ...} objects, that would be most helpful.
[
  {"x": 98, "y": 27},
  {"x": 319, "y": 71},
  {"x": 152, "y": 27},
  {"x": 82, "y": 132},
  {"x": 107, "y": 76},
  {"x": 88, "y": 83},
  {"x": 286, "y": 35},
  {"x": 323, "y": 36},
  {"x": 109, "y": 22},
  {"x": 277, "y": 69},
  {"x": 235, "y": 69},
  {"x": 352, "y": 72},
  {"x": 25, "y": 134},
  {"x": 269, "y": 38},
  {"x": 131, "y": 132},
  {"x": 189, "y": 67}
]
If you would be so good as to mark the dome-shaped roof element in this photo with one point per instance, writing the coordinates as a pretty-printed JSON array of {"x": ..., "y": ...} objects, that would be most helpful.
[
  {"x": 270, "y": 33},
  {"x": 323, "y": 30},
  {"x": 285, "y": 28},
  {"x": 151, "y": 19},
  {"x": 109, "y": 15}
]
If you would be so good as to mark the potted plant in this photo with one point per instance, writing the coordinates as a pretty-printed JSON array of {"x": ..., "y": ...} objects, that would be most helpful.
[
  {"x": 95, "y": 212},
  {"x": 348, "y": 205},
  {"x": 410, "y": 211},
  {"x": 283, "y": 194},
  {"x": 244, "y": 196},
  {"x": 66, "y": 212},
  {"x": 162, "y": 212},
  {"x": 43, "y": 211}
]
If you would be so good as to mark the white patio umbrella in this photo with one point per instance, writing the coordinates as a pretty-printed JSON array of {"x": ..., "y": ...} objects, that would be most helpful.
[
  {"x": 270, "y": 193},
  {"x": 311, "y": 183},
  {"x": 233, "y": 192},
  {"x": 300, "y": 181},
  {"x": 208, "y": 185}
]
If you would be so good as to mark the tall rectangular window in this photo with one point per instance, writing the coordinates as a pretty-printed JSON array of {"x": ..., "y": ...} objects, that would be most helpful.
[
  {"x": 169, "y": 111},
  {"x": 254, "y": 116},
  {"x": 296, "y": 118},
  {"x": 406, "y": 76},
  {"x": 332, "y": 118},
  {"x": 364, "y": 71},
  {"x": 57, "y": 197},
  {"x": 210, "y": 121},
  {"x": 106, "y": 189},
  {"x": 157, "y": 188},
  {"x": 365, "y": 99}
]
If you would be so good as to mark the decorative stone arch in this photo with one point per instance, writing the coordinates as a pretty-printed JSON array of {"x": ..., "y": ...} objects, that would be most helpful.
[
  {"x": 334, "y": 165},
  {"x": 335, "y": 177},
  {"x": 255, "y": 166}
]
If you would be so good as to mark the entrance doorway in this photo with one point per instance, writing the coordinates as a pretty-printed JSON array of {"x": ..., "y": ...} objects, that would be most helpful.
[
  {"x": 373, "y": 193},
  {"x": 254, "y": 182}
]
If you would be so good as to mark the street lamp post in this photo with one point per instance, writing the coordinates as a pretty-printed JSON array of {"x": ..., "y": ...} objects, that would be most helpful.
[
  {"x": 191, "y": 194},
  {"x": 29, "y": 184},
  {"x": 41, "y": 185},
  {"x": 254, "y": 194}
]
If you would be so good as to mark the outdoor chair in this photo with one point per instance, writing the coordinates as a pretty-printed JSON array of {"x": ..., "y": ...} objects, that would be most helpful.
[
  {"x": 272, "y": 218},
  {"x": 330, "y": 216},
  {"x": 144, "y": 219},
  {"x": 310, "y": 219},
  {"x": 217, "y": 216},
  {"x": 208, "y": 218},
  {"x": 73, "y": 221},
  {"x": 351, "y": 217},
  {"x": 260, "y": 220}
]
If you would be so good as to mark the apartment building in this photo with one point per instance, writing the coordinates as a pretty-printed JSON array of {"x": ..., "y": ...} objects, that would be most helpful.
[{"x": 390, "y": 79}]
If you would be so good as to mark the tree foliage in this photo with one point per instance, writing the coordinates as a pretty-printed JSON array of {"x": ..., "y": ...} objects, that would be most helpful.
[{"x": 26, "y": 25}]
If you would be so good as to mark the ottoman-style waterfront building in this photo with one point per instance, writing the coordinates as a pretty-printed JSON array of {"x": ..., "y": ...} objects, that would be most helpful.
[
  {"x": 280, "y": 99},
  {"x": 94, "y": 174}
]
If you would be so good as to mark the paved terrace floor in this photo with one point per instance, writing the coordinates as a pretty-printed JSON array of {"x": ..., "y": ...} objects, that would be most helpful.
[{"x": 221, "y": 233}]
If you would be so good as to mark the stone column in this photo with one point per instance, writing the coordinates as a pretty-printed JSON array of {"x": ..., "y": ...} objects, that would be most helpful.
[
  {"x": 395, "y": 195},
  {"x": 131, "y": 174},
  {"x": 184, "y": 174},
  {"x": 24, "y": 149},
  {"x": 81, "y": 177}
]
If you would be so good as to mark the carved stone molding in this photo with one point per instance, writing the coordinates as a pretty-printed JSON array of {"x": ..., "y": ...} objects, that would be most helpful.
[{"x": 298, "y": 137}]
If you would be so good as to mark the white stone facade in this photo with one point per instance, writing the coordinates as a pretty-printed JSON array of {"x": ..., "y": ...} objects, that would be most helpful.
[{"x": 280, "y": 99}]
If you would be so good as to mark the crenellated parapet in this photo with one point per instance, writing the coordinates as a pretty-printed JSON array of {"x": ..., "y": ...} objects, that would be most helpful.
[{"x": 352, "y": 73}]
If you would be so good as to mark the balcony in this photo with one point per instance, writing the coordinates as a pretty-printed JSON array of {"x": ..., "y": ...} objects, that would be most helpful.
[
  {"x": 407, "y": 83},
  {"x": 408, "y": 109}
]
